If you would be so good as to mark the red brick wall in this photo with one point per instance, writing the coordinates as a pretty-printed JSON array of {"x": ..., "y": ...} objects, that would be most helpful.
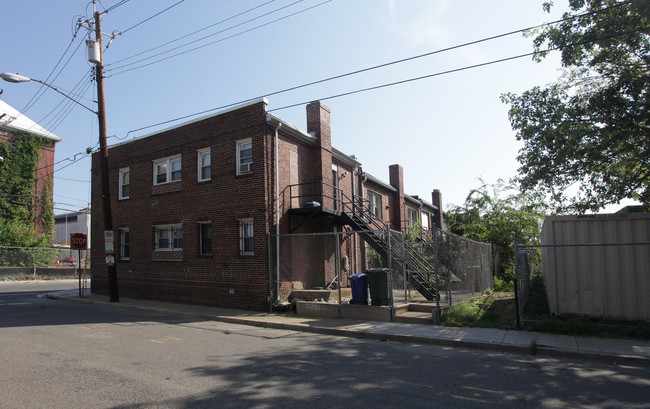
[
  {"x": 318, "y": 123},
  {"x": 44, "y": 181},
  {"x": 386, "y": 200},
  {"x": 224, "y": 278}
]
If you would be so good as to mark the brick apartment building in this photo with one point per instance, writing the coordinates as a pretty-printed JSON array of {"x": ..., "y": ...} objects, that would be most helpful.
[
  {"x": 13, "y": 124},
  {"x": 193, "y": 206}
]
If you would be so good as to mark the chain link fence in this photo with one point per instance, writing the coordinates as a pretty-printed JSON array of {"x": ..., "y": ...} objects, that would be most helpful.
[
  {"x": 442, "y": 268},
  {"x": 599, "y": 280},
  {"x": 466, "y": 266},
  {"x": 42, "y": 261}
]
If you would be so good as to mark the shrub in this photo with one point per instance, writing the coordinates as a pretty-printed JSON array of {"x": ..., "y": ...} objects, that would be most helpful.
[{"x": 501, "y": 285}]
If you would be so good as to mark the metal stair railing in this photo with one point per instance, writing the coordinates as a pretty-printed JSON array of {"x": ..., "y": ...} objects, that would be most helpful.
[
  {"x": 359, "y": 216},
  {"x": 416, "y": 267}
]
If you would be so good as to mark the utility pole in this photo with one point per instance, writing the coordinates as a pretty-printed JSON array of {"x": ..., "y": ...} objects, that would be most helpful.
[{"x": 106, "y": 188}]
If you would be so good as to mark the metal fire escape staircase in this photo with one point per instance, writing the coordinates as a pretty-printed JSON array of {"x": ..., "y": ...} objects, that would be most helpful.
[{"x": 404, "y": 258}]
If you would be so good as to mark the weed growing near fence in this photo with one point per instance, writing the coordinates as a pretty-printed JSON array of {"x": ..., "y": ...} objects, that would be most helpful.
[{"x": 490, "y": 310}]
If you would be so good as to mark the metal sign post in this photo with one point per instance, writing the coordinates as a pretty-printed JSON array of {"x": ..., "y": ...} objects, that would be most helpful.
[{"x": 79, "y": 241}]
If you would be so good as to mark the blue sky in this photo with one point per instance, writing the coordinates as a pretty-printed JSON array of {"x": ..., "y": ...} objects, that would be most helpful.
[{"x": 446, "y": 131}]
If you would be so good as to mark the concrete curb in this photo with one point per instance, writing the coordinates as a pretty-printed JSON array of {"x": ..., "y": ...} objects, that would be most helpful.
[{"x": 382, "y": 337}]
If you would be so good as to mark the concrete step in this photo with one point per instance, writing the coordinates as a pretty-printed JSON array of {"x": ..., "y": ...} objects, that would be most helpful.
[
  {"x": 422, "y": 307},
  {"x": 414, "y": 317},
  {"x": 417, "y": 313}
]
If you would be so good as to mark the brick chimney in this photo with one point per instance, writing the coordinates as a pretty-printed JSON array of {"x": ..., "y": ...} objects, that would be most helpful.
[
  {"x": 398, "y": 209},
  {"x": 318, "y": 125},
  {"x": 438, "y": 217}
]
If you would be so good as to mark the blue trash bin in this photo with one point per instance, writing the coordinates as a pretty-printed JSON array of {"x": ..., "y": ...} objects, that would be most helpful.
[{"x": 360, "y": 289}]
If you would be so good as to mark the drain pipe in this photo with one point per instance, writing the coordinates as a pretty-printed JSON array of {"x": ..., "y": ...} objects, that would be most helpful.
[
  {"x": 277, "y": 216},
  {"x": 355, "y": 244}
]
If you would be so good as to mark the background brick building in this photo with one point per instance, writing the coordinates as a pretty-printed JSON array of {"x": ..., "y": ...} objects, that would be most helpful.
[
  {"x": 193, "y": 206},
  {"x": 13, "y": 124}
]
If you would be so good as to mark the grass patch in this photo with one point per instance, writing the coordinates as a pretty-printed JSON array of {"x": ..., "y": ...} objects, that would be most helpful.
[
  {"x": 572, "y": 324},
  {"x": 490, "y": 310},
  {"x": 497, "y": 310}
]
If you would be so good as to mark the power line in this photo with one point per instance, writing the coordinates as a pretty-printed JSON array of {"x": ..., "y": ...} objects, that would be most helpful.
[
  {"x": 41, "y": 90},
  {"x": 71, "y": 105},
  {"x": 152, "y": 17},
  {"x": 210, "y": 43},
  {"x": 190, "y": 34},
  {"x": 359, "y": 71},
  {"x": 539, "y": 52},
  {"x": 73, "y": 180},
  {"x": 70, "y": 164},
  {"x": 66, "y": 104},
  {"x": 118, "y": 4}
]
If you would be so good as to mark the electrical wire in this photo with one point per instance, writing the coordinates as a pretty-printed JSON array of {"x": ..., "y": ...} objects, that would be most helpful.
[
  {"x": 501, "y": 60},
  {"x": 41, "y": 90},
  {"x": 118, "y": 4},
  {"x": 70, "y": 164},
  {"x": 71, "y": 105},
  {"x": 210, "y": 43},
  {"x": 188, "y": 35},
  {"x": 152, "y": 17},
  {"x": 73, "y": 180},
  {"x": 66, "y": 102}
]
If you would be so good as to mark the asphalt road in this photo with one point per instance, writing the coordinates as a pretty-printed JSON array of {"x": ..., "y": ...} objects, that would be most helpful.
[{"x": 59, "y": 354}]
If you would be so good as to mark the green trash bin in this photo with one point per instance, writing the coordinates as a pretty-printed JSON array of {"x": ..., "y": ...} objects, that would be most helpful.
[{"x": 379, "y": 288}]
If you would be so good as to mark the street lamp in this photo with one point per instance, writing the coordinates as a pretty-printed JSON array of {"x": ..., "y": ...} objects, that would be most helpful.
[
  {"x": 11, "y": 77},
  {"x": 101, "y": 115}
]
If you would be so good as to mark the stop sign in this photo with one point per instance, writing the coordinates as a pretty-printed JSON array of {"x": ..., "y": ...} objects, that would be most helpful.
[{"x": 78, "y": 241}]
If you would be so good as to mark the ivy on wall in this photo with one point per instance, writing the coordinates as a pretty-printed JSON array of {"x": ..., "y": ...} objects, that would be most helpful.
[{"x": 21, "y": 207}]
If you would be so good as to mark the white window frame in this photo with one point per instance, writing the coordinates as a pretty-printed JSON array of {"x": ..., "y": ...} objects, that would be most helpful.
[
  {"x": 201, "y": 250},
  {"x": 125, "y": 243},
  {"x": 372, "y": 204},
  {"x": 249, "y": 165},
  {"x": 200, "y": 166},
  {"x": 246, "y": 232},
  {"x": 121, "y": 195},
  {"x": 412, "y": 222},
  {"x": 168, "y": 163},
  {"x": 172, "y": 230}
]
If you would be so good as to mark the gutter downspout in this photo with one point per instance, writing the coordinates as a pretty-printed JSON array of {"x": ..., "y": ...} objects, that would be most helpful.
[
  {"x": 277, "y": 217},
  {"x": 354, "y": 204},
  {"x": 364, "y": 179}
]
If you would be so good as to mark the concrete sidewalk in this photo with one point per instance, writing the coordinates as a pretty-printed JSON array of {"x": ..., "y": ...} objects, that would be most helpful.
[{"x": 608, "y": 350}]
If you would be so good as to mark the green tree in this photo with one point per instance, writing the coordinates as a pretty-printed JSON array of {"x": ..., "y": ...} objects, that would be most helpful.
[
  {"x": 587, "y": 136},
  {"x": 496, "y": 214}
]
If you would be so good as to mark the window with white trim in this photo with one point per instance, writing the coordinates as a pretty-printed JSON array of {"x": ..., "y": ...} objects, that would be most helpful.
[
  {"x": 169, "y": 237},
  {"x": 246, "y": 237},
  {"x": 125, "y": 244},
  {"x": 412, "y": 217},
  {"x": 205, "y": 238},
  {"x": 167, "y": 170},
  {"x": 375, "y": 204},
  {"x": 244, "y": 156},
  {"x": 204, "y": 162},
  {"x": 125, "y": 183},
  {"x": 425, "y": 221}
]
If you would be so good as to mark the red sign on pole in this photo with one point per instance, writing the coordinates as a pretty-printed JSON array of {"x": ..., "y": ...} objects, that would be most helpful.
[{"x": 78, "y": 241}]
